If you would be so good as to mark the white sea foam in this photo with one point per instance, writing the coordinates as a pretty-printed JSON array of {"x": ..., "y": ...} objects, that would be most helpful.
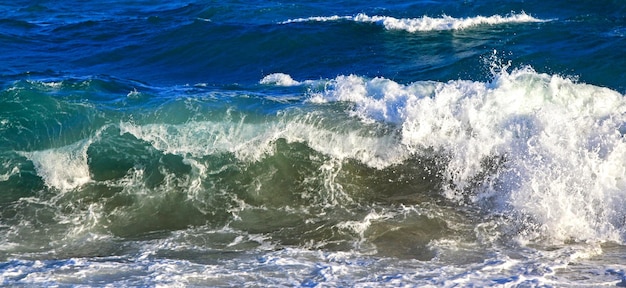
[
  {"x": 425, "y": 23},
  {"x": 14, "y": 171},
  {"x": 285, "y": 80},
  {"x": 279, "y": 79},
  {"x": 66, "y": 167},
  {"x": 293, "y": 267},
  {"x": 63, "y": 168},
  {"x": 556, "y": 147},
  {"x": 254, "y": 141}
]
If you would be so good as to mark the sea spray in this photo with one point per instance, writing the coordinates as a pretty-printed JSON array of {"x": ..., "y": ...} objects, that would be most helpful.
[{"x": 535, "y": 147}]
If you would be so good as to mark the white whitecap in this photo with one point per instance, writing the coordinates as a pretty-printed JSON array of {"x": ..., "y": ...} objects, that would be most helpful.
[
  {"x": 426, "y": 23},
  {"x": 63, "y": 168},
  {"x": 540, "y": 148},
  {"x": 279, "y": 79}
]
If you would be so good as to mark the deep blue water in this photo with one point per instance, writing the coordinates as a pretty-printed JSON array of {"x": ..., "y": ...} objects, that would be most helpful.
[{"x": 312, "y": 143}]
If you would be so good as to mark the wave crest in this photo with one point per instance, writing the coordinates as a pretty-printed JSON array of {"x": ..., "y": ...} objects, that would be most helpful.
[
  {"x": 425, "y": 23},
  {"x": 543, "y": 150}
]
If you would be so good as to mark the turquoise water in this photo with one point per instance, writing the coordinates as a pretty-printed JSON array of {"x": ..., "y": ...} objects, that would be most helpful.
[{"x": 312, "y": 143}]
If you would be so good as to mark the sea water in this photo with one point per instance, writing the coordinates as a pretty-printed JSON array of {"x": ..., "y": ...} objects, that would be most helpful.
[{"x": 312, "y": 143}]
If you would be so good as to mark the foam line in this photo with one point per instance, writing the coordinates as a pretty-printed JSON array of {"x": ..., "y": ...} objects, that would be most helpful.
[{"x": 425, "y": 23}]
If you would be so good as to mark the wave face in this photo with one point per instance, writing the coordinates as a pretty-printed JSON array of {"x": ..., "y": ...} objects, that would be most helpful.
[{"x": 221, "y": 143}]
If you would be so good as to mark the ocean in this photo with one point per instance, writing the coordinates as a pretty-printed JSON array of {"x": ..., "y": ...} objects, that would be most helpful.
[{"x": 224, "y": 143}]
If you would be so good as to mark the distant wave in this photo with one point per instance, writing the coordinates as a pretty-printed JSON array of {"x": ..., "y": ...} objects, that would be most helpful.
[{"x": 425, "y": 23}]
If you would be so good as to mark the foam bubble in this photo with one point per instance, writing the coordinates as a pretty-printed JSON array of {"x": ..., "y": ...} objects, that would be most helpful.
[{"x": 426, "y": 23}]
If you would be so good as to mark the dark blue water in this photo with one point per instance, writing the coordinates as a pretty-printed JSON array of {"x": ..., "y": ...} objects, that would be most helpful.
[{"x": 312, "y": 143}]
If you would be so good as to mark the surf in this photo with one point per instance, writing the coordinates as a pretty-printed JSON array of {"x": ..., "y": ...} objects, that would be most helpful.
[{"x": 534, "y": 147}]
